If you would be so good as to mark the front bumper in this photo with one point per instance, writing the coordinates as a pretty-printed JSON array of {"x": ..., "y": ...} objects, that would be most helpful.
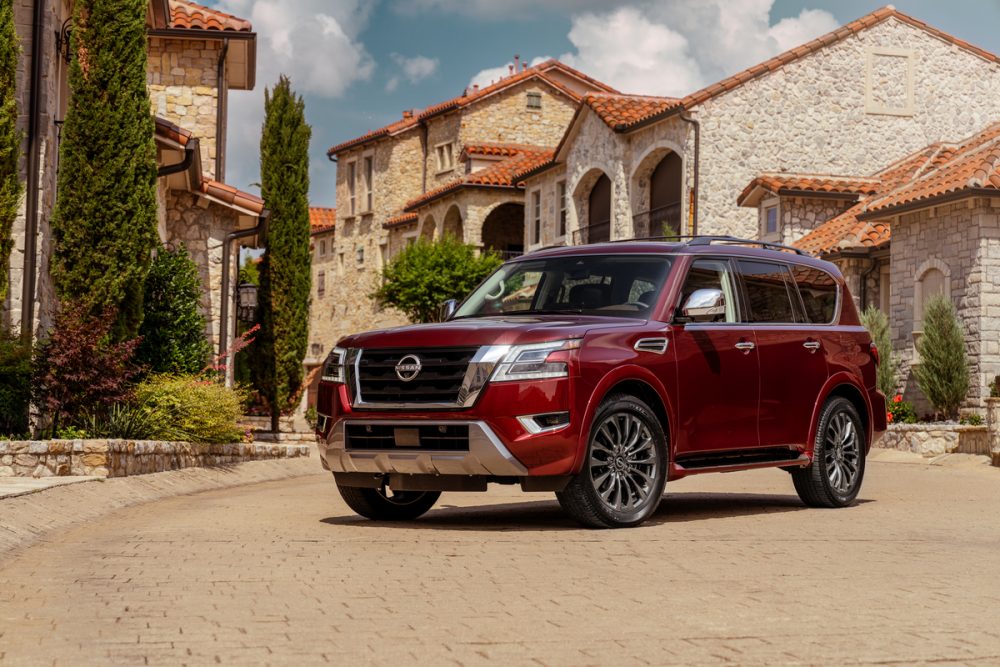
[{"x": 486, "y": 456}]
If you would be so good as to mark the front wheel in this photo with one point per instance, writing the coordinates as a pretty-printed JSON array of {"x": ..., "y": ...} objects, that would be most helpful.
[
  {"x": 834, "y": 477},
  {"x": 623, "y": 476},
  {"x": 383, "y": 504}
]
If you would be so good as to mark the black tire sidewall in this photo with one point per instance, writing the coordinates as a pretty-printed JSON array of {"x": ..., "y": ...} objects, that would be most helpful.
[
  {"x": 635, "y": 407},
  {"x": 834, "y": 407}
]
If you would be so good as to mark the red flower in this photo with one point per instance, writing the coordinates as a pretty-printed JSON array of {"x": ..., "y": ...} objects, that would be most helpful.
[
  {"x": 898, "y": 398},
  {"x": 888, "y": 417}
]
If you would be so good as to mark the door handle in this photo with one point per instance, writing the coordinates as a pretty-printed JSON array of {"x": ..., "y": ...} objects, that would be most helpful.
[
  {"x": 745, "y": 345},
  {"x": 811, "y": 345}
]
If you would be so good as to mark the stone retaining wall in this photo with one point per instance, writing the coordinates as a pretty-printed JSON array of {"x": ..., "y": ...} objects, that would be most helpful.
[
  {"x": 122, "y": 458},
  {"x": 937, "y": 439}
]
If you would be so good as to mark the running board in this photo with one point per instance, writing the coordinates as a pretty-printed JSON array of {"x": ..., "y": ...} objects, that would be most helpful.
[{"x": 740, "y": 460}]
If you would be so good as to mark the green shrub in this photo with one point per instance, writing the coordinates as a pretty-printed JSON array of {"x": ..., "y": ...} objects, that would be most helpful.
[
  {"x": 128, "y": 421},
  {"x": 10, "y": 142},
  {"x": 426, "y": 273},
  {"x": 887, "y": 377},
  {"x": 943, "y": 372},
  {"x": 971, "y": 419},
  {"x": 188, "y": 408},
  {"x": 173, "y": 329},
  {"x": 15, "y": 384},
  {"x": 900, "y": 411},
  {"x": 995, "y": 387}
]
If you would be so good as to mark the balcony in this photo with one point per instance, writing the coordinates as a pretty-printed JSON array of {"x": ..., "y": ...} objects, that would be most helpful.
[{"x": 662, "y": 221}]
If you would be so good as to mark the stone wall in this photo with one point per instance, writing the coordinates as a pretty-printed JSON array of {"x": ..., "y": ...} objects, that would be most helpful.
[
  {"x": 202, "y": 230},
  {"x": 937, "y": 439},
  {"x": 323, "y": 323},
  {"x": 962, "y": 240},
  {"x": 184, "y": 88},
  {"x": 800, "y": 215},
  {"x": 123, "y": 458},
  {"x": 993, "y": 422}
]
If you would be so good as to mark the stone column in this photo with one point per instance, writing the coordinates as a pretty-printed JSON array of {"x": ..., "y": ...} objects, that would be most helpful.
[{"x": 993, "y": 422}]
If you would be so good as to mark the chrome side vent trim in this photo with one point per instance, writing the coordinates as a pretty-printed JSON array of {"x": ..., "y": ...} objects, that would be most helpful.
[{"x": 655, "y": 345}]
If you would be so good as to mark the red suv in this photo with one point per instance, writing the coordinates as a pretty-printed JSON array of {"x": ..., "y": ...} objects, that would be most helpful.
[{"x": 600, "y": 372}]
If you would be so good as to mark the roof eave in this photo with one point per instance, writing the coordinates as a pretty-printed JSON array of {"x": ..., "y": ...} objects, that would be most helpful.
[
  {"x": 421, "y": 203},
  {"x": 936, "y": 200}
]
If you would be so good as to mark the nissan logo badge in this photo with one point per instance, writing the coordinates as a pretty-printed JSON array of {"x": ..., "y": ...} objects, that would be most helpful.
[{"x": 408, "y": 367}]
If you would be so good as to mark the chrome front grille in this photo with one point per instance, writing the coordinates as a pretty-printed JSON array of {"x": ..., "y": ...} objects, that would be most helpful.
[{"x": 439, "y": 382}]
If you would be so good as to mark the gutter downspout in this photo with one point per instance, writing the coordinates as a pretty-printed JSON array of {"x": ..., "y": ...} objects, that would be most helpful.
[
  {"x": 227, "y": 260},
  {"x": 183, "y": 165},
  {"x": 693, "y": 212},
  {"x": 864, "y": 281},
  {"x": 221, "y": 109},
  {"x": 31, "y": 203}
]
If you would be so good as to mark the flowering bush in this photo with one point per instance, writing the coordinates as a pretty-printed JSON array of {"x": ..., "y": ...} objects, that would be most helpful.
[
  {"x": 900, "y": 411},
  {"x": 184, "y": 407}
]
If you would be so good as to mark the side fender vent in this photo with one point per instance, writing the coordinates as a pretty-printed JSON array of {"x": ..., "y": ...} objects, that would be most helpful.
[{"x": 655, "y": 345}]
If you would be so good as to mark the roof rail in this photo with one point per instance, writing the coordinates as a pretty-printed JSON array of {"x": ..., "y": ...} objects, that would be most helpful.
[{"x": 709, "y": 240}]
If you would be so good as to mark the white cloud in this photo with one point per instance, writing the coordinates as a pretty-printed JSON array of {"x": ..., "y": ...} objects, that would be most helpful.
[
  {"x": 491, "y": 75},
  {"x": 674, "y": 47},
  {"x": 315, "y": 43},
  {"x": 414, "y": 70},
  {"x": 490, "y": 10}
]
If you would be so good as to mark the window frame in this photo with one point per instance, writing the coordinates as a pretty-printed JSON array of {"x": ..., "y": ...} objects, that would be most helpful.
[
  {"x": 536, "y": 218},
  {"x": 531, "y": 96},
  {"x": 321, "y": 284},
  {"x": 838, "y": 295},
  {"x": 352, "y": 187},
  {"x": 772, "y": 204},
  {"x": 791, "y": 292},
  {"x": 735, "y": 287},
  {"x": 368, "y": 180},
  {"x": 562, "y": 210},
  {"x": 445, "y": 149}
]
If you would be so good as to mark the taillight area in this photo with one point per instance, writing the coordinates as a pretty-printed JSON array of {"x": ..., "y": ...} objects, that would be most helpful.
[{"x": 873, "y": 348}]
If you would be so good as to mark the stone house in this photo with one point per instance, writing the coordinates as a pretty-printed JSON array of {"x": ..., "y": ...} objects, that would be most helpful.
[
  {"x": 196, "y": 55},
  {"x": 448, "y": 169},
  {"x": 323, "y": 324},
  {"x": 927, "y": 224},
  {"x": 848, "y": 102}
]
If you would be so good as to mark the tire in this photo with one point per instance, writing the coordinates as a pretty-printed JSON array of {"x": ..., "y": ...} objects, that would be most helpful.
[
  {"x": 622, "y": 478},
  {"x": 833, "y": 478},
  {"x": 385, "y": 505}
]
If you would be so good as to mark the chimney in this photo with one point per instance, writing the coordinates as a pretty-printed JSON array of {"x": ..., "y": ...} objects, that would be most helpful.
[
  {"x": 407, "y": 114},
  {"x": 475, "y": 87},
  {"x": 517, "y": 63},
  {"x": 510, "y": 70}
]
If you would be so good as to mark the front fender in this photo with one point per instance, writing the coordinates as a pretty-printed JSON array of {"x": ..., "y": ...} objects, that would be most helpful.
[{"x": 626, "y": 373}]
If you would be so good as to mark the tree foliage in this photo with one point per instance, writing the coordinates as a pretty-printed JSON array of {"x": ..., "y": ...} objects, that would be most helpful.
[
  {"x": 80, "y": 371},
  {"x": 15, "y": 384},
  {"x": 426, "y": 273},
  {"x": 10, "y": 141},
  {"x": 104, "y": 222},
  {"x": 173, "y": 329},
  {"x": 285, "y": 272},
  {"x": 887, "y": 378},
  {"x": 943, "y": 372}
]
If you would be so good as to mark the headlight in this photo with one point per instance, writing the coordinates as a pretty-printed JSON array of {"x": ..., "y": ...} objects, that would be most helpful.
[
  {"x": 538, "y": 361},
  {"x": 333, "y": 369}
]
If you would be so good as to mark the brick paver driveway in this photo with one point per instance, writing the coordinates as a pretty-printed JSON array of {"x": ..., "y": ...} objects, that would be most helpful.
[{"x": 733, "y": 569}]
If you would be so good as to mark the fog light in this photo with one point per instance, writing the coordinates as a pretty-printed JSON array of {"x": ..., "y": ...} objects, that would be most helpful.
[{"x": 544, "y": 423}]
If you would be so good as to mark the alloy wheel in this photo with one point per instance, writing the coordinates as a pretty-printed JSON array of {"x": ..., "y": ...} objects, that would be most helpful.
[
  {"x": 843, "y": 454},
  {"x": 623, "y": 462}
]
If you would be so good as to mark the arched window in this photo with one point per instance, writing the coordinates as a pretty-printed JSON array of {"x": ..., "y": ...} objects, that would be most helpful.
[
  {"x": 932, "y": 281},
  {"x": 599, "y": 211},
  {"x": 665, "y": 185}
]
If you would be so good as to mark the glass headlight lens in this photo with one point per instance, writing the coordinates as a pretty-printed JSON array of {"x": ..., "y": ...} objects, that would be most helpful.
[
  {"x": 538, "y": 361},
  {"x": 334, "y": 369}
]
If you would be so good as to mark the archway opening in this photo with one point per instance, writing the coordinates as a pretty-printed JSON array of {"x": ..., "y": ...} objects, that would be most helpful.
[
  {"x": 599, "y": 212},
  {"x": 665, "y": 188},
  {"x": 503, "y": 230},
  {"x": 427, "y": 229},
  {"x": 453, "y": 223}
]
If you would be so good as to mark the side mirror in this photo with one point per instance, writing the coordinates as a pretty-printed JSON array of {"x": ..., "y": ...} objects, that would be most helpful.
[
  {"x": 704, "y": 305},
  {"x": 447, "y": 309}
]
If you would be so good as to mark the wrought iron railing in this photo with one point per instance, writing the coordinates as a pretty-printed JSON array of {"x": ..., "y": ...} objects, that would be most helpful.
[
  {"x": 662, "y": 221},
  {"x": 597, "y": 233}
]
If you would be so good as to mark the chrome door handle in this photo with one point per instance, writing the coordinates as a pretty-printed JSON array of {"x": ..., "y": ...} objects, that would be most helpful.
[
  {"x": 811, "y": 345},
  {"x": 745, "y": 345}
]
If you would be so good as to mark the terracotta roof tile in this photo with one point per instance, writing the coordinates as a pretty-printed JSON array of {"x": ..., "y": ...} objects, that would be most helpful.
[
  {"x": 231, "y": 196},
  {"x": 321, "y": 219},
  {"x": 399, "y": 220},
  {"x": 820, "y": 184},
  {"x": 185, "y": 14},
  {"x": 621, "y": 112},
  {"x": 470, "y": 96},
  {"x": 504, "y": 174},
  {"x": 165, "y": 128},
  {"x": 938, "y": 170}
]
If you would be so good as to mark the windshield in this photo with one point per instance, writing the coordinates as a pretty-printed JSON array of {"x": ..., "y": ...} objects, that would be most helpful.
[{"x": 615, "y": 285}]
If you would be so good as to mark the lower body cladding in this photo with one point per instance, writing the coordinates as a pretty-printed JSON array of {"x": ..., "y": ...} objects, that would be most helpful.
[{"x": 425, "y": 456}]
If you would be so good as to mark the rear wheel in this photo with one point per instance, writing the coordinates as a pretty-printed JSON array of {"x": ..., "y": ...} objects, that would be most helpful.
[
  {"x": 623, "y": 476},
  {"x": 834, "y": 477},
  {"x": 384, "y": 504}
]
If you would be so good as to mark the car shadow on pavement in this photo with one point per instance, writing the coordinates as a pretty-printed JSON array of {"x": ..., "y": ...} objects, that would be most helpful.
[{"x": 547, "y": 515}]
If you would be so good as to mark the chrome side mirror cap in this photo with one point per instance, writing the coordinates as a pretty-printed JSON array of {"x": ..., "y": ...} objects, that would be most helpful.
[
  {"x": 447, "y": 310},
  {"x": 704, "y": 305}
]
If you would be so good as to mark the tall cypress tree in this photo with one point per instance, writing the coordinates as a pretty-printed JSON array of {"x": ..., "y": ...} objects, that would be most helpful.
[
  {"x": 10, "y": 140},
  {"x": 104, "y": 223},
  {"x": 286, "y": 275}
]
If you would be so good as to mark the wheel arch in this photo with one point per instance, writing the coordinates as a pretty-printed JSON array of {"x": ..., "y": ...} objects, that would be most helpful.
[{"x": 844, "y": 386}]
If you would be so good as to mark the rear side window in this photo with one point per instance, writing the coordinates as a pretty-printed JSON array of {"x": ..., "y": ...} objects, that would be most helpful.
[
  {"x": 819, "y": 293},
  {"x": 769, "y": 292}
]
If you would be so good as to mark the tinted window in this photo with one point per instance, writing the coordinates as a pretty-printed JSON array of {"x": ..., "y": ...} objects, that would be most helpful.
[
  {"x": 622, "y": 286},
  {"x": 769, "y": 296},
  {"x": 819, "y": 293}
]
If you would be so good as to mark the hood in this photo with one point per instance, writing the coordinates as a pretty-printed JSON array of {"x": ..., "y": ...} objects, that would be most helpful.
[{"x": 478, "y": 331}]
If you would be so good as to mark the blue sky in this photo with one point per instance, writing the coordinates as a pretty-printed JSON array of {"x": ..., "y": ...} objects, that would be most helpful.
[{"x": 359, "y": 63}]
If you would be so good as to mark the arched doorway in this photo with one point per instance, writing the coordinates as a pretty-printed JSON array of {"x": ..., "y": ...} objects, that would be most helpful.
[
  {"x": 599, "y": 212},
  {"x": 503, "y": 230},
  {"x": 665, "y": 188},
  {"x": 453, "y": 223},
  {"x": 428, "y": 228}
]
